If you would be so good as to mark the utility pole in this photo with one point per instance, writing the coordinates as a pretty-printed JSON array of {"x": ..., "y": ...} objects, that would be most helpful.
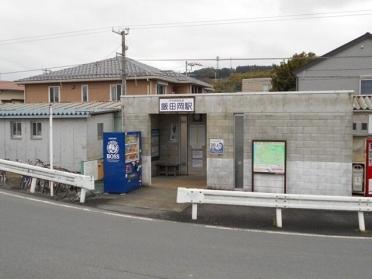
[
  {"x": 123, "y": 92},
  {"x": 217, "y": 65},
  {"x": 124, "y": 48},
  {"x": 186, "y": 63},
  {"x": 190, "y": 65},
  {"x": 51, "y": 145}
]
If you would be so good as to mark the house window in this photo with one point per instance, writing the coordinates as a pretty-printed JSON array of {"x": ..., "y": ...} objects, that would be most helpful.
[
  {"x": 16, "y": 130},
  {"x": 364, "y": 126},
  {"x": 84, "y": 93},
  {"x": 366, "y": 86},
  {"x": 99, "y": 131},
  {"x": 354, "y": 126},
  {"x": 161, "y": 88},
  {"x": 36, "y": 130},
  {"x": 54, "y": 94},
  {"x": 115, "y": 92}
]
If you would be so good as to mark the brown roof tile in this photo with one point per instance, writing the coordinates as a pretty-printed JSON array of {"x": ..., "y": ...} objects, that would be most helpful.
[{"x": 10, "y": 85}]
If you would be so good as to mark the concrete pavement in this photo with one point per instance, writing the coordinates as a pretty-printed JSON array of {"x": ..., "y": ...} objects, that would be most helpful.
[
  {"x": 160, "y": 202},
  {"x": 46, "y": 240}
]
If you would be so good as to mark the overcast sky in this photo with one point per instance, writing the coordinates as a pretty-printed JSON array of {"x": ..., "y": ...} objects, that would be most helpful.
[{"x": 22, "y": 18}]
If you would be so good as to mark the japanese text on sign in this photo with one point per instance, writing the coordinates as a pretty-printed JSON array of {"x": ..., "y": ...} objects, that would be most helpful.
[{"x": 176, "y": 105}]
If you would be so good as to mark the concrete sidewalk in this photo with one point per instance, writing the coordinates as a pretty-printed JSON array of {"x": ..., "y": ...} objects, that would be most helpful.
[{"x": 161, "y": 203}]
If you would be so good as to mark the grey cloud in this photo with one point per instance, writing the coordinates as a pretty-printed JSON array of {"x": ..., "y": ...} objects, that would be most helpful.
[
  {"x": 315, "y": 5},
  {"x": 258, "y": 39}
]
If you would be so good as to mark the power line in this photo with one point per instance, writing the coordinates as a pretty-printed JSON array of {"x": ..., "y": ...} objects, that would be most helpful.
[
  {"x": 330, "y": 77},
  {"x": 245, "y": 58},
  {"x": 208, "y": 59},
  {"x": 90, "y": 31},
  {"x": 253, "y": 20},
  {"x": 113, "y": 51},
  {"x": 204, "y": 59},
  {"x": 344, "y": 69},
  {"x": 56, "y": 34},
  {"x": 39, "y": 69},
  {"x": 41, "y": 38}
]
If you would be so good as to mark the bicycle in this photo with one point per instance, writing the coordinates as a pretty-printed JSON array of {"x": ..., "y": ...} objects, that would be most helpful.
[
  {"x": 3, "y": 177},
  {"x": 25, "y": 182},
  {"x": 66, "y": 191}
]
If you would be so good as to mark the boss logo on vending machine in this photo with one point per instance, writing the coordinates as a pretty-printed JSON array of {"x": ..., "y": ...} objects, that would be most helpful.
[{"x": 112, "y": 151}]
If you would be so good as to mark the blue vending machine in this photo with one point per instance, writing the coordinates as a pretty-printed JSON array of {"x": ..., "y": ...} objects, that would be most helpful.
[{"x": 122, "y": 162}]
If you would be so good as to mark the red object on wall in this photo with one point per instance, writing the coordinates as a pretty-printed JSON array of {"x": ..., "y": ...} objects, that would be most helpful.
[{"x": 368, "y": 188}]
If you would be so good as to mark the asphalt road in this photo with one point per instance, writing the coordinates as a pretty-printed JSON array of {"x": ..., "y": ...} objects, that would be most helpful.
[{"x": 45, "y": 240}]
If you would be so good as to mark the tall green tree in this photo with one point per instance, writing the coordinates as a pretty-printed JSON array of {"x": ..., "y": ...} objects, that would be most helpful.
[{"x": 283, "y": 78}]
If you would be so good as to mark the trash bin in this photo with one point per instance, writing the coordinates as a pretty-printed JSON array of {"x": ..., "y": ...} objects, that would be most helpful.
[{"x": 358, "y": 178}]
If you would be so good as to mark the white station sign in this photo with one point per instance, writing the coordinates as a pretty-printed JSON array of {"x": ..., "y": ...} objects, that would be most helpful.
[{"x": 176, "y": 105}]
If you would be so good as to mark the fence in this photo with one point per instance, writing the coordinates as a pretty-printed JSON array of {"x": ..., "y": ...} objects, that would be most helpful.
[
  {"x": 81, "y": 181},
  {"x": 278, "y": 201}
]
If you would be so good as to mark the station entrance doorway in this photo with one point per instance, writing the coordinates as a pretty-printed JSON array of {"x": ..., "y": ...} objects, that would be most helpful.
[{"x": 178, "y": 150}]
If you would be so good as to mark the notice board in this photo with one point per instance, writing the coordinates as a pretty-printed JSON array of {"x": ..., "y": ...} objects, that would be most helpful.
[{"x": 269, "y": 157}]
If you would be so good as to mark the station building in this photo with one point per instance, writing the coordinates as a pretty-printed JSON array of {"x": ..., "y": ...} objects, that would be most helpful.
[{"x": 279, "y": 142}]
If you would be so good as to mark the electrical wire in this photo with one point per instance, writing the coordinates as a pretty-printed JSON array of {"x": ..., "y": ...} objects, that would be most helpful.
[
  {"x": 247, "y": 20},
  {"x": 204, "y": 59},
  {"x": 246, "y": 58},
  {"x": 98, "y": 30}
]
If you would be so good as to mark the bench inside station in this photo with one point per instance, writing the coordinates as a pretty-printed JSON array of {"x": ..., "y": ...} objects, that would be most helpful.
[{"x": 168, "y": 169}]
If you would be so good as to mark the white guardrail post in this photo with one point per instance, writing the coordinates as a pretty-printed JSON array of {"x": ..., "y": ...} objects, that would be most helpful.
[
  {"x": 362, "y": 226},
  {"x": 84, "y": 182},
  {"x": 279, "y": 223},
  {"x": 277, "y": 201}
]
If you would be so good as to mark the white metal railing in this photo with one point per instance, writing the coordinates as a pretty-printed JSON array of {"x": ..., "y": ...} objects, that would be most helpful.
[
  {"x": 81, "y": 181},
  {"x": 278, "y": 201}
]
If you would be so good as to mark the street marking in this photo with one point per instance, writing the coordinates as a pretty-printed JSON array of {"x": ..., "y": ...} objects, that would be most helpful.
[
  {"x": 288, "y": 233},
  {"x": 86, "y": 209},
  {"x": 105, "y": 212}
]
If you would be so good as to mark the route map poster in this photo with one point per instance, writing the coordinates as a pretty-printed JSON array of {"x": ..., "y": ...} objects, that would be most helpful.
[{"x": 269, "y": 157}]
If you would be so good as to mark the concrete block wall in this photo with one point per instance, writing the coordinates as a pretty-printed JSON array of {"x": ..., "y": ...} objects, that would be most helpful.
[
  {"x": 319, "y": 151},
  {"x": 360, "y": 119},
  {"x": 359, "y": 149},
  {"x": 169, "y": 150},
  {"x": 220, "y": 173},
  {"x": 220, "y": 169},
  {"x": 95, "y": 145},
  {"x": 141, "y": 122},
  {"x": 268, "y": 183}
]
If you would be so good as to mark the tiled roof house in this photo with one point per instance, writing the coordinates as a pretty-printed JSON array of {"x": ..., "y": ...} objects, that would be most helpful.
[
  {"x": 10, "y": 92},
  {"x": 101, "y": 81}
]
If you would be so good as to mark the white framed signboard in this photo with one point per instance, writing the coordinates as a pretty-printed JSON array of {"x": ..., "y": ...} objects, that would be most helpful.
[{"x": 168, "y": 105}]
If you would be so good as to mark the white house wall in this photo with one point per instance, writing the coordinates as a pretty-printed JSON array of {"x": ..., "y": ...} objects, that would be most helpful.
[
  {"x": 70, "y": 142},
  {"x": 94, "y": 150},
  {"x": 342, "y": 71}
]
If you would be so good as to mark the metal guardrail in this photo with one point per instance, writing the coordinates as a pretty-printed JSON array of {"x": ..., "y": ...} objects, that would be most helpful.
[
  {"x": 81, "y": 181},
  {"x": 278, "y": 201}
]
